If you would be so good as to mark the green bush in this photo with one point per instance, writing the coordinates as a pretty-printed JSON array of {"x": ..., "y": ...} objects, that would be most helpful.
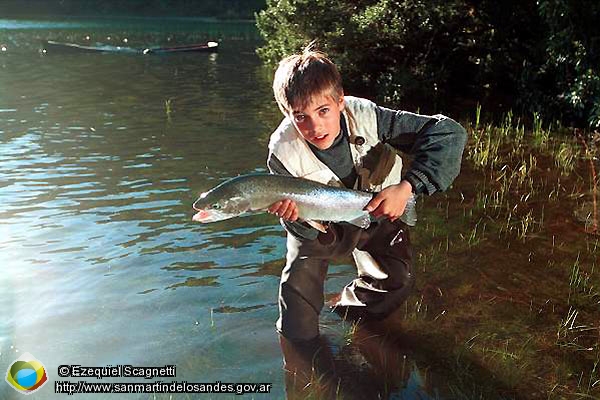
[
  {"x": 572, "y": 58},
  {"x": 529, "y": 56},
  {"x": 389, "y": 49}
]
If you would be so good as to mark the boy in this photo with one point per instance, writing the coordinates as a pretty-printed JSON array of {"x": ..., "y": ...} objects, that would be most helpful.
[{"x": 342, "y": 140}]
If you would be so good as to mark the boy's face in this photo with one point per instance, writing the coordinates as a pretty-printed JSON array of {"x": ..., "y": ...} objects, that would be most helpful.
[{"x": 319, "y": 122}]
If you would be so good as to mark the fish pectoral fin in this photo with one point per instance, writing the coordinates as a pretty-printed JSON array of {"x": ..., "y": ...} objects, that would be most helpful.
[
  {"x": 362, "y": 222},
  {"x": 317, "y": 225}
]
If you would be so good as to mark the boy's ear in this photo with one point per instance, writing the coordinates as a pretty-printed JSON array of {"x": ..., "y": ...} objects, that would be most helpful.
[{"x": 341, "y": 102}]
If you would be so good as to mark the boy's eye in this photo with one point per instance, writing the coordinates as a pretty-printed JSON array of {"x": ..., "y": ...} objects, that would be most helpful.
[
  {"x": 299, "y": 117},
  {"x": 324, "y": 110}
]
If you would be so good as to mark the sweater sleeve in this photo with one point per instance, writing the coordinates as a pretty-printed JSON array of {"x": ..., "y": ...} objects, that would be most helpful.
[
  {"x": 436, "y": 143},
  {"x": 301, "y": 230}
]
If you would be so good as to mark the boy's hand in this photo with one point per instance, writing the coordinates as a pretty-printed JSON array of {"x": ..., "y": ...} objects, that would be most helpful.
[
  {"x": 391, "y": 201},
  {"x": 285, "y": 209}
]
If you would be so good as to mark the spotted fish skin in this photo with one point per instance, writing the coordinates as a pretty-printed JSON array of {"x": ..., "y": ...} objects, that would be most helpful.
[{"x": 315, "y": 201}]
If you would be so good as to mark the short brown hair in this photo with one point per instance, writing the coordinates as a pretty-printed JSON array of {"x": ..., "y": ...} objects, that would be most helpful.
[{"x": 301, "y": 76}]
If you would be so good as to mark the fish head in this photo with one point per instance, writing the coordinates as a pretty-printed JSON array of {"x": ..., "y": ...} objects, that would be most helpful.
[{"x": 221, "y": 203}]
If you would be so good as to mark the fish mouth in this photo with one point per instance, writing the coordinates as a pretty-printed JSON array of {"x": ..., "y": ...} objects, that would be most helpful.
[
  {"x": 201, "y": 215},
  {"x": 206, "y": 216}
]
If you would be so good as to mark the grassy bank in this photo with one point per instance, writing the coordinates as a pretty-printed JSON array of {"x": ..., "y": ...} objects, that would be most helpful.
[{"x": 509, "y": 290}]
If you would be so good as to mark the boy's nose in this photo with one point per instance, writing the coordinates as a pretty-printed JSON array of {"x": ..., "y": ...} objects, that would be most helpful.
[
  {"x": 316, "y": 127},
  {"x": 310, "y": 126}
]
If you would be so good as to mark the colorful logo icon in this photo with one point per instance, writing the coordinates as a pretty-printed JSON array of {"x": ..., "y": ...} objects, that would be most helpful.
[{"x": 26, "y": 374}]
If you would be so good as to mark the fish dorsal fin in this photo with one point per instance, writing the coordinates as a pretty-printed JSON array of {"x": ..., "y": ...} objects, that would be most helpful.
[
  {"x": 317, "y": 225},
  {"x": 362, "y": 222}
]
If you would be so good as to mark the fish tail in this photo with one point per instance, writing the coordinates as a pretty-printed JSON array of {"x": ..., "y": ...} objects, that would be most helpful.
[{"x": 409, "y": 217}]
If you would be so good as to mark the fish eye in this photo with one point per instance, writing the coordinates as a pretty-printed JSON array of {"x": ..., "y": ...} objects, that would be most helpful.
[{"x": 216, "y": 206}]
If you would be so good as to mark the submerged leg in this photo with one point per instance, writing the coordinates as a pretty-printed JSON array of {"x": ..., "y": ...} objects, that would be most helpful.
[
  {"x": 308, "y": 368},
  {"x": 301, "y": 296},
  {"x": 389, "y": 245}
]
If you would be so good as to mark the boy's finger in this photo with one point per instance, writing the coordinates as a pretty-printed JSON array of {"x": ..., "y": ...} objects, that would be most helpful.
[
  {"x": 286, "y": 211},
  {"x": 279, "y": 207},
  {"x": 274, "y": 207},
  {"x": 293, "y": 212},
  {"x": 374, "y": 203}
]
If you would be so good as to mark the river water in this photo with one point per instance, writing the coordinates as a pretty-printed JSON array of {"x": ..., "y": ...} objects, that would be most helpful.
[{"x": 101, "y": 157}]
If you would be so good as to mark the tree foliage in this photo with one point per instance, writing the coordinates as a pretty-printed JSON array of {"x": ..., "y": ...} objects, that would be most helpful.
[
  {"x": 572, "y": 57},
  {"x": 531, "y": 56}
]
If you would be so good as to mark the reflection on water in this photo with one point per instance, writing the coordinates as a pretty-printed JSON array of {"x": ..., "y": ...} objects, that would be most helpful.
[{"x": 371, "y": 361}]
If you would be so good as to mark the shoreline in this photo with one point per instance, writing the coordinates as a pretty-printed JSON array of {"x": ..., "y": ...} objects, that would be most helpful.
[{"x": 53, "y": 17}]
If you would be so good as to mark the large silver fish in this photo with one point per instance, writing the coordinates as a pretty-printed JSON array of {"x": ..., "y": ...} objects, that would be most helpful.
[{"x": 315, "y": 201}]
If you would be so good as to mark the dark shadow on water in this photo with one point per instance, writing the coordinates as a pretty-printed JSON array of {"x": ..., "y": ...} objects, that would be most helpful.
[
  {"x": 379, "y": 361},
  {"x": 313, "y": 371}
]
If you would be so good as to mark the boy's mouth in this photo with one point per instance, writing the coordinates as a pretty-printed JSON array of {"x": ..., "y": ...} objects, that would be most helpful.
[{"x": 320, "y": 137}]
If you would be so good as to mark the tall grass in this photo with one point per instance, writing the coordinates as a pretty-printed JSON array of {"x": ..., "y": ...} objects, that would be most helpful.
[{"x": 518, "y": 226}]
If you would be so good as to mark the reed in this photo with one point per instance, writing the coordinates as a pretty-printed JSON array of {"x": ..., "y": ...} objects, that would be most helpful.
[
  {"x": 590, "y": 157},
  {"x": 540, "y": 135},
  {"x": 566, "y": 155},
  {"x": 169, "y": 109}
]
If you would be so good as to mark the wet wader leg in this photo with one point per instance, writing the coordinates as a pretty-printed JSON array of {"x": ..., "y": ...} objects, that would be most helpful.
[
  {"x": 309, "y": 368},
  {"x": 389, "y": 244},
  {"x": 301, "y": 296}
]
